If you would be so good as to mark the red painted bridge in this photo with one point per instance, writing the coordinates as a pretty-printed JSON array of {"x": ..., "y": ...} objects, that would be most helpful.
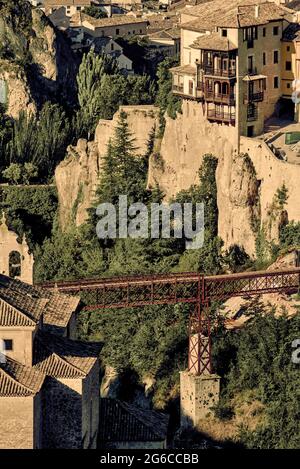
[{"x": 187, "y": 287}]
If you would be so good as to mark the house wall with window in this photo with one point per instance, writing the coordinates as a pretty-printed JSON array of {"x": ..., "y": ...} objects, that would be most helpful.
[
  {"x": 18, "y": 343},
  {"x": 288, "y": 67},
  {"x": 24, "y": 269},
  {"x": 259, "y": 55},
  {"x": 116, "y": 30}
]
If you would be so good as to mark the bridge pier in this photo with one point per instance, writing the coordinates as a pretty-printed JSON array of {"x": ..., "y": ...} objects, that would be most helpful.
[
  {"x": 198, "y": 394},
  {"x": 199, "y": 387}
]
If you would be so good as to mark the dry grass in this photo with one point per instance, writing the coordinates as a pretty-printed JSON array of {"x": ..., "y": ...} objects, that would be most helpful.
[{"x": 248, "y": 411}]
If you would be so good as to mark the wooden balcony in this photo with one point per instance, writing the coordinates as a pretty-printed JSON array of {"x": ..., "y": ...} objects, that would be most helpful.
[
  {"x": 221, "y": 116},
  {"x": 210, "y": 96},
  {"x": 196, "y": 94},
  {"x": 177, "y": 89},
  {"x": 209, "y": 70}
]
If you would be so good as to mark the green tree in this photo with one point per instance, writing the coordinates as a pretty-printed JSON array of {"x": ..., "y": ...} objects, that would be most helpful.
[
  {"x": 95, "y": 12},
  {"x": 92, "y": 70},
  {"x": 165, "y": 99},
  {"x": 13, "y": 173}
]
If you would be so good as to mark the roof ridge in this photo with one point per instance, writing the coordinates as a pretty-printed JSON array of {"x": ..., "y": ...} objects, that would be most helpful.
[
  {"x": 24, "y": 387},
  {"x": 18, "y": 311},
  {"x": 74, "y": 367}
]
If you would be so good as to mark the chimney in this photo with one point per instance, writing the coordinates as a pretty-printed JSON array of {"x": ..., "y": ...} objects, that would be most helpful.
[{"x": 256, "y": 11}]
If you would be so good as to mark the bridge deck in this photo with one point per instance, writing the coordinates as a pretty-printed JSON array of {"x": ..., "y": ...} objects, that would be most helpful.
[{"x": 186, "y": 287}]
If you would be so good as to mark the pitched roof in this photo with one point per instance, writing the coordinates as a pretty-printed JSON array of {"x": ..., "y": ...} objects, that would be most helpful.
[
  {"x": 33, "y": 302},
  {"x": 213, "y": 41},
  {"x": 188, "y": 69},
  {"x": 19, "y": 307},
  {"x": 56, "y": 3},
  {"x": 78, "y": 18},
  {"x": 19, "y": 380},
  {"x": 125, "y": 422},
  {"x": 63, "y": 358},
  {"x": 170, "y": 33},
  {"x": 233, "y": 14},
  {"x": 291, "y": 33}
]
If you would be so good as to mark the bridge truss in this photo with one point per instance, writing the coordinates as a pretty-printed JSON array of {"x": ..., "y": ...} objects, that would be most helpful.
[{"x": 187, "y": 288}]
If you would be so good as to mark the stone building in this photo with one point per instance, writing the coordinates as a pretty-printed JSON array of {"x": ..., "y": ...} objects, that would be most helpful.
[
  {"x": 125, "y": 426},
  {"x": 49, "y": 384},
  {"x": 233, "y": 62},
  {"x": 15, "y": 259},
  {"x": 116, "y": 26}
]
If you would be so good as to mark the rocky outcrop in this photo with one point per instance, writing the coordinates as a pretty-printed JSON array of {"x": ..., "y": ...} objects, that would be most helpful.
[
  {"x": 78, "y": 175},
  {"x": 246, "y": 185},
  {"x": 35, "y": 60},
  {"x": 247, "y": 180},
  {"x": 76, "y": 180}
]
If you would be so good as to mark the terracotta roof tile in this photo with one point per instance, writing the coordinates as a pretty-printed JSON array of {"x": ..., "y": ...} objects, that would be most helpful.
[
  {"x": 125, "y": 422},
  {"x": 213, "y": 42},
  {"x": 233, "y": 14},
  {"x": 19, "y": 380},
  {"x": 63, "y": 358},
  {"x": 56, "y": 308}
]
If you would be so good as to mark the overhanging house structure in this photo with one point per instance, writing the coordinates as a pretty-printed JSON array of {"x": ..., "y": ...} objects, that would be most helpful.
[{"x": 232, "y": 59}]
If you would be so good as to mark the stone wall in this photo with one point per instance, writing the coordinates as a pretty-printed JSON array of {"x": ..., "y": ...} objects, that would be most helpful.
[
  {"x": 175, "y": 163},
  {"x": 90, "y": 408},
  {"x": 9, "y": 243},
  {"x": 19, "y": 424},
  {"x": 62, "y": 430}
]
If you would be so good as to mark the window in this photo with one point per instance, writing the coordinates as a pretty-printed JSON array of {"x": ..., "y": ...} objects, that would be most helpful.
[
  {"x": 14, "y": 264},
  {"x": 250, "y": 131},
  {"x": 275, "y": 57},
  {"x": 276, "y": 82},
  {"x": 8, "y": 344},
  {"x": 250, "y": 33},
  {"x": 112, "y": 47},
  {"x": 275, "y": 30},
  {"x": 288, "y": 65},
  {"x": 288, "y": 85},
  {"x": 141, "y": 31},
  {"x": 117, "y": 31},
  {"x": 264, "y": 58},
  {"x": 264, "y": 32},
  {"x": 288, "y": 48},
  {"x": 250, "y": 63},
  {"x": 224, "y": 32}
]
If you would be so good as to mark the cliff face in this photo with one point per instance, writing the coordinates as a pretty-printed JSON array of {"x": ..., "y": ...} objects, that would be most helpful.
[
  {"x": 246, "y": 185},
  {"x": 35, "y": 60},
  {"x": 78, "y": 175}
]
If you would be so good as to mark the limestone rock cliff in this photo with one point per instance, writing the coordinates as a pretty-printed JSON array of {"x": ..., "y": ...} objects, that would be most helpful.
[
  {"x": 35, "y": 60},
  {"x": 78, "y": 175},
  {"x": 247, "y": 179}
]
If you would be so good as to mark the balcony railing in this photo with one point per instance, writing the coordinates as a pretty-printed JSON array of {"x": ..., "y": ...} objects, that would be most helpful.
[
  {"x": 177, "y": 88},
  {"x": 192, "y": 94},
  {"x": 252, "y": 116},
  {"x": 254, "y": 97},
  {"x": 219, "y": 72},
  {"x": 213, "y": 114},
  {"x": 220, "y": 98}
]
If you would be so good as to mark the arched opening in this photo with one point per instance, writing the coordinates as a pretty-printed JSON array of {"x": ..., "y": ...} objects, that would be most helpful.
[{"x": 14, "y": 264}]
